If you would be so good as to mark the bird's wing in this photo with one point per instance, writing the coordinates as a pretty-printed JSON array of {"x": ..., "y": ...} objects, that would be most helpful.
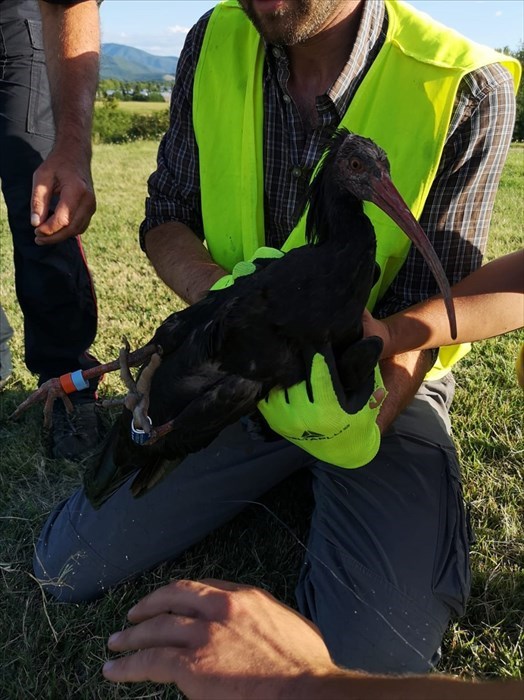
[
  {"x": 222, "y": 403},
  {"x": 200, "y": 401},
  {"x": 216, "y": 404}
]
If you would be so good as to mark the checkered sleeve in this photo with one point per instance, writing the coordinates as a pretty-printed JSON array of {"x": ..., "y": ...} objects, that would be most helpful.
[
  {"x": 174, "y": 187},
  {"x": 458, "y": 211}
]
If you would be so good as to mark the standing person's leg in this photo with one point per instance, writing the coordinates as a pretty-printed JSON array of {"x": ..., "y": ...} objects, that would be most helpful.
[
  {"x": 388, "y": 555},
  {"x": 53, "y": 283},
  {"x": 82, "y": 552}
]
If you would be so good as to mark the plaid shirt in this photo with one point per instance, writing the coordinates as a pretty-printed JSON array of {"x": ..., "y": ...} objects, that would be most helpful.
[{"x": 458, "y": 210}]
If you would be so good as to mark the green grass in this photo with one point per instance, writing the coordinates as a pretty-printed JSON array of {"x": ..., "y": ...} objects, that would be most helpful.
[
  {"x": 56, "y": 651},
  {"x": 141, "y": 107}
]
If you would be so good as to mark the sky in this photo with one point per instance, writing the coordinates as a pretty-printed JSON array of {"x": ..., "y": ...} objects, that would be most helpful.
[{"x": 160, "y": 26}]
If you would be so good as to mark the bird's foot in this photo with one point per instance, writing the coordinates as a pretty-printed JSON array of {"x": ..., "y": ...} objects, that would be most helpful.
[
  {"x": 137, "y": 399},
  {"x": 60, "y": 387},
  {"x": 48, "y": 393}
]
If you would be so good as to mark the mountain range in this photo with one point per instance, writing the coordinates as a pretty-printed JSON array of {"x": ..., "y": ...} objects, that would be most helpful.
[{"x": 129, "y": 64}]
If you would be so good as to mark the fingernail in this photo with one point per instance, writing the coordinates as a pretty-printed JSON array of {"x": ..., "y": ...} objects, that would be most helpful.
[
  {"x": 35, "y": 219},
  {"x": 107, "y": 666},
  {"x": 131, "y": 610},
  {"x": 113, "y": 638}
]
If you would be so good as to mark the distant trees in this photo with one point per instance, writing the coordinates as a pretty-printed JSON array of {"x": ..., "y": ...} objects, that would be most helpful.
[
  {"x": 133, "y": 91},
  {"x": 159, "y": 91},
  {"x": 114, "y": 125}
]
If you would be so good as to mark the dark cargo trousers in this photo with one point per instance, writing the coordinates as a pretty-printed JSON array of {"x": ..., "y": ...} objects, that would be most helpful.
[
  {"x": 386, "y": 562},
  {"x": 53, "y": 283}
]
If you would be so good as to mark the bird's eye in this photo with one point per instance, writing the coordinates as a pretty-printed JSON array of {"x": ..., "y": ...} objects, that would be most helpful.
[{"x": 356, "y": 164}]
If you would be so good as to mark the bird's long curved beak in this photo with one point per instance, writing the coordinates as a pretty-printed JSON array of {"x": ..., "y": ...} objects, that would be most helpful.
[{"x": 387, "y": 198}]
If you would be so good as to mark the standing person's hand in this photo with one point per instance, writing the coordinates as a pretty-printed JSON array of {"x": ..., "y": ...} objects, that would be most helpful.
[
  {"x": 216, "y": 639},
  {"x": 69, "y": 180}
]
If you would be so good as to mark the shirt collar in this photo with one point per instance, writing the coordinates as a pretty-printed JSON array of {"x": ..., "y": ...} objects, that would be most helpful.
[{"x": 370, "y": 37}]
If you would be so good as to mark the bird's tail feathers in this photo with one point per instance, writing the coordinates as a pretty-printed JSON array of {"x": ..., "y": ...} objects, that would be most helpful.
[
  {"x": 117, "y": 460},
  {"x": 102, "y": 476},
  {"x": 151, "y": 474}
]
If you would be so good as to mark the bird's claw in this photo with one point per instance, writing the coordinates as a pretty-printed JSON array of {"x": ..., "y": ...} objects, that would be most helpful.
[{"x": 48, "y": 393}]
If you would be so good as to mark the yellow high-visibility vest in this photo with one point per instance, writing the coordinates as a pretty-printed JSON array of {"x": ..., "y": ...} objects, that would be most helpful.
[{"x": 404, "y": 104}]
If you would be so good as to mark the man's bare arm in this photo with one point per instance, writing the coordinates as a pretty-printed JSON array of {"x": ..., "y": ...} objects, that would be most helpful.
[
  {"x": 72, "y": 49},
  {"x": 402, "y": 375},
  {"x": 181, "y": 260},
  {"x": 488, "y": 302}
]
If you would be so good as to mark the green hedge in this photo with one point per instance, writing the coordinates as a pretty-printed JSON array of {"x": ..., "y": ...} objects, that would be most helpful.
[{"x": 114, "y": 125}]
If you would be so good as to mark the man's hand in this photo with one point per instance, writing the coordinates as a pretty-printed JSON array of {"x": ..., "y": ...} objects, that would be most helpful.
[
  {"x": 70, "y": 180},
  {"x": 219, "y": 640},
  {"x": 216, "y": 639}
]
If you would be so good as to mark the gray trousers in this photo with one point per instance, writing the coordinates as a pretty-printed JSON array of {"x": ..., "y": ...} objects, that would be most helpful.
[{"x": 387, "y": 556}]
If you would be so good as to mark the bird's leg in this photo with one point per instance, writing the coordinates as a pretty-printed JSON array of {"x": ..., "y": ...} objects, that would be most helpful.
[
  {"x": 162, "y": 430},
  {"x": 137, "y": 399},
  {"x": 48, "y": 392},
  {"x": 125, "y": 374},
  {"x": 144, "y": 381},
  {"x": 132, "y": 397},
  {"x": 143, "y": 386},
  {"x": 110, "y": 403},
  {"x": 60, "y": 387}
]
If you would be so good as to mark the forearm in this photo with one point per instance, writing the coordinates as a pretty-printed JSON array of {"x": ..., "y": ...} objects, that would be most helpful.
[
  {"x": 72, "y": 49},
  {"x": 350, "y": 685},
  {"x": 478, "y": 317},
  {"x": 402, "y": 375},
  {"x": 181, "y": 260},
  {"x": 488, "y": 302}
]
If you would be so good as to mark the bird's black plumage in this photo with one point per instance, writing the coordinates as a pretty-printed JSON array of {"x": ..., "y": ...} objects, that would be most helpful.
[{"x": 222, "y": 355}]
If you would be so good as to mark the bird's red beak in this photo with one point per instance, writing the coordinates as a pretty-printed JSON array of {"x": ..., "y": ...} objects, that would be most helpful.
[{"x": 387, "y": 198}]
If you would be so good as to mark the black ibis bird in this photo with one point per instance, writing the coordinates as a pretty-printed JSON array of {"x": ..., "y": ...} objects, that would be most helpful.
[{"x": 222, "y": 355}]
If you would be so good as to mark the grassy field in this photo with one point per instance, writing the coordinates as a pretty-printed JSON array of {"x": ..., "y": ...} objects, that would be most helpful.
[
  {"x": 142, "y": 107},
  {"x": 55, "y": 651}
]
